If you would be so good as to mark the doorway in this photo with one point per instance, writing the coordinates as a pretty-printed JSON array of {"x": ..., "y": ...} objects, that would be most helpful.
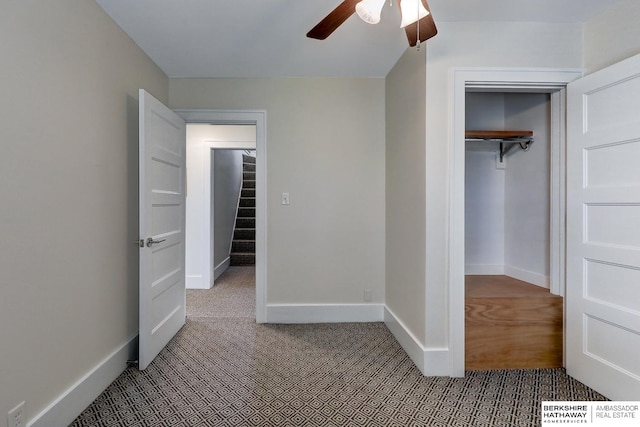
[
  {"x": 512, "y": 321},
  {"x": 548, "y": 81},
  {"x": 256, "y": 118},
  {"x": 215, "y": 162}
]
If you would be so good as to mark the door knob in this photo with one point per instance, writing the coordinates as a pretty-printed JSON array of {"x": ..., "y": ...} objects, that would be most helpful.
[{"x": 151, "y": 242}]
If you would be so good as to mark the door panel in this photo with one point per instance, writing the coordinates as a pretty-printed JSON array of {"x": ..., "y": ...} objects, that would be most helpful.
[
  {"x": 162, "y": 219},
  {"x": 603, "y": 230}
]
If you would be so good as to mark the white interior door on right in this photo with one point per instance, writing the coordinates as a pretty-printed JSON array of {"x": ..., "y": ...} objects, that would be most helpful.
[{"x": 603, "y": 230}]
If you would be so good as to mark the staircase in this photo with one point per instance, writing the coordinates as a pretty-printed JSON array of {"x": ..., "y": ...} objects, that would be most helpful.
[{"x": 243, "y": 247}]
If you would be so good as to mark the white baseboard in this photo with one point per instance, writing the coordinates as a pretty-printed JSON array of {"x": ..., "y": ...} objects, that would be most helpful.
[
  {"x": 405, "y": 338},
  {"x": 324, "y": 313},
  {"x": 433, "y": 362},
  {"x": 79, "y": 396},
  {"x": 528, "y": 276},
  {"x": 484, "y": 269},
  {"x": 436, "y": 362},
  {"x": 194, "y": 282},
  {"x": 221, "y": 268},
  {"x": 430, "y": 361}
]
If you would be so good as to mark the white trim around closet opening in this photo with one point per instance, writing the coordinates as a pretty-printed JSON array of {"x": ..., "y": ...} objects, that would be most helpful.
[{"x": 541, "y": 80}]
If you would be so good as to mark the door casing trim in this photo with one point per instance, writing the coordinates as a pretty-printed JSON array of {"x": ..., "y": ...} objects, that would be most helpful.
[
  {"x": 259, "y": 119},
  {"x": 525, "y": 80}
]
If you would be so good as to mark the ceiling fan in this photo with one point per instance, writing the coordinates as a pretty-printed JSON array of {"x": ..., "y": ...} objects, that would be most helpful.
[{"x": 416, "y": 18}]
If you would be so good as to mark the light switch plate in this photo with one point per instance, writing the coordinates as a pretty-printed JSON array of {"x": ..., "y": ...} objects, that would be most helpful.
[
  {"x": 16, "y": 416},
  {"x": 285, "y": 198}
]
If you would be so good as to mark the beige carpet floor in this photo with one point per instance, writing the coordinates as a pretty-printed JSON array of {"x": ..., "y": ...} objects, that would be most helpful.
[
  {"x": 233, "y": 295},
  {"x": 223, "y": 370}
]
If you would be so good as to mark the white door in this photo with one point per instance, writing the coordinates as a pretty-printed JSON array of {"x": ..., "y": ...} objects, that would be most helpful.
[
  {"x": 162, "y": 222},
  {"x": 603, "y": 231}
]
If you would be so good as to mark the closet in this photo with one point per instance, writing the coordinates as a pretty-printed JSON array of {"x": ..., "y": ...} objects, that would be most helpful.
[{"x": 511, "y": 319}]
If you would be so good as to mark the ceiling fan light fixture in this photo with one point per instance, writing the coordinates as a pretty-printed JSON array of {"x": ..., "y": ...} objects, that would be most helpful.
[
  {"x": 369, "y": 10},
  {"x": 412, "y": 11}
]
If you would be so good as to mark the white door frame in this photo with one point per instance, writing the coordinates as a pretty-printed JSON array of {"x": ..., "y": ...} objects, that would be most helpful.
[
  {"x": 259, "y": 119},
  {"x": 541, "y": 80}
]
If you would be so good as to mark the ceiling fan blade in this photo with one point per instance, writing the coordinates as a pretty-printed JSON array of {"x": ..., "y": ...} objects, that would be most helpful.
[
  {"x": 427, "y": 27},
  {"x": 333, "y": 20}
]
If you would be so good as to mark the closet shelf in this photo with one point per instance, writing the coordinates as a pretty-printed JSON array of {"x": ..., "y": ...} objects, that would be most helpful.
[{"x": 506, "y": 138}]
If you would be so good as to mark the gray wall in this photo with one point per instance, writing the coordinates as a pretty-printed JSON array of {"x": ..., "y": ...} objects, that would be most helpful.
[
  {"x": 484, "y": 187},
  {"x": 405, "y": 191},
  {"x": 325, "y": 144},
  {"x": 226, "y": 181},
  {"x": 612, "y": 36},
  {"x": 68, "y": 185},
  {"x": 527, "y": 190}
]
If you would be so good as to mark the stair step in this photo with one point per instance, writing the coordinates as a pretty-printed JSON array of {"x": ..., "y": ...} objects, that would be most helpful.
[
  {"x": 248, "y": 192},
  {"x": 246, "y": 246},
  {"x": 244, "y": 234},
  {"x": 242, "y": 259},
  {"x": 243, "y": 247},
  {"x": 245, "y": 222},
  {"x": 247, "y": 202},
  {"x": 246, "y": 212}
]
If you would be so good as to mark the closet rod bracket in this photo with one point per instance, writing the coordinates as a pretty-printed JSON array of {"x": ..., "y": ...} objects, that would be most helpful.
[{"x": 524, "y": 144}]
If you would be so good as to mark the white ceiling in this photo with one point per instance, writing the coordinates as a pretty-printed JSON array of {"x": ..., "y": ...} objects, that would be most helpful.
[{"x": 266, "y": 38}]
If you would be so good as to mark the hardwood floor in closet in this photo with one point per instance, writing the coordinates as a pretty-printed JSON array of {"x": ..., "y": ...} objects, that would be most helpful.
[{"x": 511, "y": 324}]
